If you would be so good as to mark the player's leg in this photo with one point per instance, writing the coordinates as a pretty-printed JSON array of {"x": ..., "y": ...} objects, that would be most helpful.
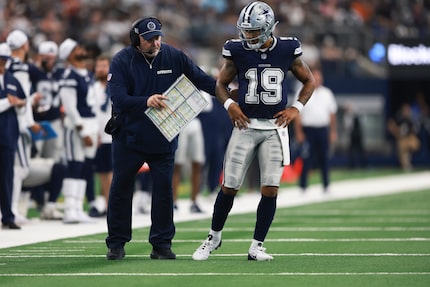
[
  {"x": 73, "y": 183},
  {"x": 50, "y": 210},
  {"x": 323, "y": 152},
  {"x": 6, "y": 188},
  {"x": 270, "y": 159},
  {"x": 239, "y": 154},
  {"x": 180, "y": 160},
  {"x": 21, "y": 171},
  {"x": 196, "y": 149},
  {"x": 307, "y": 156},
  {"x": 89, "y": 173}
]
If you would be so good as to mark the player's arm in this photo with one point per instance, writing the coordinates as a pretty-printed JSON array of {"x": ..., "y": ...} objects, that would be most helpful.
[
  {"x": 225, "y": 77},
  {"x": 302, "y": 72}
]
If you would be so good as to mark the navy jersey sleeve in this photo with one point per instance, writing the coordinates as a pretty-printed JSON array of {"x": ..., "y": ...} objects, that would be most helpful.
[
  {"x": 294, "y": 46},
  {"x": 14, "y": 88},
  {"x": 229, "y": 48}
]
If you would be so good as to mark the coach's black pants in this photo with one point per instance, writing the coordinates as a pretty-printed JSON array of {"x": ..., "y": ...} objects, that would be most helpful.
[{"x": 126, "y": 163}]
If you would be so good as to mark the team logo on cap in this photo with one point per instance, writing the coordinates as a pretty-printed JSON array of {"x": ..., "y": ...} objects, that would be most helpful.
[{"x": 151, "y": 26}]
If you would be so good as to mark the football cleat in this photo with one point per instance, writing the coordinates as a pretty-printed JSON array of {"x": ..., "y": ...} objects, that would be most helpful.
[
  {"x": 258, "y": 253},
  {"x": 206, "y": 248}
]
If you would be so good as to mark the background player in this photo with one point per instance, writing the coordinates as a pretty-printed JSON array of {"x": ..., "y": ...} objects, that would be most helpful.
[
  {"x": 81, "y": 128},
  {"x": 18, "y": 65},
  {"x": 316, "y": 131},
  {"x": 103, "y": 159},
  {"x": 10, "y": 101}
]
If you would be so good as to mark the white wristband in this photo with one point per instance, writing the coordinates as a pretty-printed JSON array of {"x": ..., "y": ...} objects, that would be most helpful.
[
  {"x": 227, "y": 103},
  {"x": 298, "y": 105}
]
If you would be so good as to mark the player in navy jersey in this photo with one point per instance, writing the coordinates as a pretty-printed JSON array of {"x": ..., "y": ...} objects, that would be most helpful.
[
  {"x": 50, "y": 152},
  {"x": 260, "y": 117},
  {"x": 81, "y": 128},
  {"x": 18, "y": 65},
  {"x": 9, "y": 132},
  {"x": 139, "y": 74},
  {"x": 45, "y": 82}
]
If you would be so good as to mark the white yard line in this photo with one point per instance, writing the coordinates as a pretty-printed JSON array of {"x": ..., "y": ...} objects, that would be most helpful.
[
  {"x": 56, "y": 255},
  {"x": 41, "y": 231},
  {"x": 98, "y": 274}
]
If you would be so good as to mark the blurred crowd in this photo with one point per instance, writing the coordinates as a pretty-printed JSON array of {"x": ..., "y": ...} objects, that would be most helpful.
[{"x": 337, "y": 32}]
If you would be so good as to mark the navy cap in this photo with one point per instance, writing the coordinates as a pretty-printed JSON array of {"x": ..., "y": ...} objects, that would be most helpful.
[{"x": 149, "y": 28}]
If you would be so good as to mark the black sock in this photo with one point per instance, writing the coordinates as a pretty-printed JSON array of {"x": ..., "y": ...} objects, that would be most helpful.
[
  {"x": 265, "y": 213},
  {"x": 222, "y": 207}
]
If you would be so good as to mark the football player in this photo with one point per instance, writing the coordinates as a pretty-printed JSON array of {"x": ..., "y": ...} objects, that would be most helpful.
[
  {"x": 81, "y": 128},
  {"x": 48, "y": 108},
  {"x": 260, "y": 61},
  {"x": 20, "y": 68},
  {"x": 12, "y": 99}
]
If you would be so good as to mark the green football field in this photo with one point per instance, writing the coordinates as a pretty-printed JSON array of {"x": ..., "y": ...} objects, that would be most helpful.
[{"x": 377, "y": 241}]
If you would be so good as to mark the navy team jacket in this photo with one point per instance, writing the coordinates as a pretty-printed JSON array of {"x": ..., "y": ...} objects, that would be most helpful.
[{"x": 132, "y": 80}]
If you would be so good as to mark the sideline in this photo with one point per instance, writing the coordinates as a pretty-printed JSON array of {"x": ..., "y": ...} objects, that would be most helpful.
[{"x": 42, "y": 231}]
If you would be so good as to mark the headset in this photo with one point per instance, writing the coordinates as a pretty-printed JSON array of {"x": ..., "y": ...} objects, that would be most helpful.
[{"x": 134, "y": 37}]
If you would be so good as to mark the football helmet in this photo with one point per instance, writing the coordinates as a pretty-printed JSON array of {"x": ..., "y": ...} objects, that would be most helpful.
[{"x": 256, "y": 16}]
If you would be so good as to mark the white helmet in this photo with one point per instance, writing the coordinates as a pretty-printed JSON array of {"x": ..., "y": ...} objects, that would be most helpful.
[{"x": 256, "y": 16}]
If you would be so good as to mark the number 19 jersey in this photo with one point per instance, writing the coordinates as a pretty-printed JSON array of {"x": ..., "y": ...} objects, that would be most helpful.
[{"x": 262, "y": 74}]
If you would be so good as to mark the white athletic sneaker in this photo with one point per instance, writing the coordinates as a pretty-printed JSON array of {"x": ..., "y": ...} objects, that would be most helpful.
[
  {"x": 204, "y": 250},
  {"x": 50, "y": 212},
  {"x": 70, "y": 216},
  {"x": 258, "y": 253}
]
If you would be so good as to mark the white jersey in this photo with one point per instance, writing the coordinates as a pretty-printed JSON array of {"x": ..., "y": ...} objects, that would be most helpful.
[
  {"x": 316, "y": 113},
  {"x": 104, "y": 110}
]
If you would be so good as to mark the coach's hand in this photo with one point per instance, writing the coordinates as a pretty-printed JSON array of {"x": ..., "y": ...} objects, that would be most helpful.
[{"x": 157, "y": 101}]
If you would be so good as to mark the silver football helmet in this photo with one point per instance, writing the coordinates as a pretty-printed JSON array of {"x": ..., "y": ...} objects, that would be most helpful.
[{"x": 256, "y": 16}]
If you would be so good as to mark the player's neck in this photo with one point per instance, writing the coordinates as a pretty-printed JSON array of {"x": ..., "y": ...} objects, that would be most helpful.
[{"x": 267, "y": 44}]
